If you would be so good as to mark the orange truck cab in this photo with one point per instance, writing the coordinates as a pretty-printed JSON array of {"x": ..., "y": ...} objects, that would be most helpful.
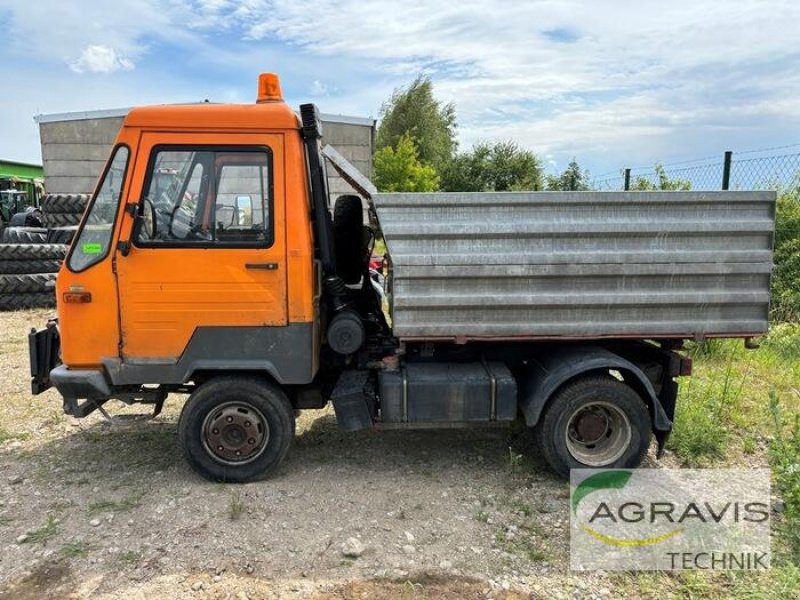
[{"x": 208, "y": 263}]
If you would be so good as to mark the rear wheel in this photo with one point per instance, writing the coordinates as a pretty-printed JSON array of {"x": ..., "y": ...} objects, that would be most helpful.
[
  {"x": 236, "y": 429},
  {"x": 594, "y": 422}
]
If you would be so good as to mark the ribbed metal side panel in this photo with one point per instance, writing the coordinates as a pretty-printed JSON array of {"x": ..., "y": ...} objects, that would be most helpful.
[{"x": 584, "y": 264}]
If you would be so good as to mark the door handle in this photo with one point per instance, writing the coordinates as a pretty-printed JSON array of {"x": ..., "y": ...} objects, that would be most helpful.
[{"x": 262, "y": 266}]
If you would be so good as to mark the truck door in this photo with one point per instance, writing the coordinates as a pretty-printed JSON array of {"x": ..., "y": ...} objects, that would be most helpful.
[{"x": 208, "y": 248}]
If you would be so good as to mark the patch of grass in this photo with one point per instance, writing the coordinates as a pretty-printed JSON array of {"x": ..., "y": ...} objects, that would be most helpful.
[
  {"x": 7, "y": 436},
  {"x": 44, "y": 533},
  {"x": 4, "y": 520},
  {"x": 522, "y": 544},
  {"x": 235, "y": 506},
  {"x": 706, "y": 409},
  {"x": 114, "y": 506},
  {"x": 130, "y": 556},
  {"x": 784, "y": 457},
  {"x": 76, "y": 549},
  {"x": 520, "y": 506},
  {"x": 482, "y": 516},
  {"x": 784, "y": 340}
]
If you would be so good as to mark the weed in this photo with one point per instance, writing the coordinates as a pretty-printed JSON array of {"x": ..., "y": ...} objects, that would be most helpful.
[
  {"x": 76, "y": 549},
  {"x": 130, "y": 556},
  {"x": 519, "y": 506},
  {"x": 113, "y": 506},
  {"x": 514, "y": 461},
  {"x": 236, "y": 506},
  {"x": 413, "y": 589},
  {"x": 482, "y": 516},
  {"x": 521, "y": 545},
  {"x": 4, "y": 520},
  {"x": 44, "y": 533},
  {"x": 749, "y": 444}
]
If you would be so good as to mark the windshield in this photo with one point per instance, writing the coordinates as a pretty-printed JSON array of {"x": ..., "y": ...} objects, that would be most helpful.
[{"x": 94, "y": 240}]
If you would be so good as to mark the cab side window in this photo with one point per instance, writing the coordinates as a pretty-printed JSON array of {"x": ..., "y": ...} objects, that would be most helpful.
[{"x": 220, "y": 197}]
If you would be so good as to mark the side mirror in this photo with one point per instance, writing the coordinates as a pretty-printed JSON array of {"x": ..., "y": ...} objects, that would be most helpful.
[
  {"x": 145, "y": 223},
  {"x": 148, "y": 219}
]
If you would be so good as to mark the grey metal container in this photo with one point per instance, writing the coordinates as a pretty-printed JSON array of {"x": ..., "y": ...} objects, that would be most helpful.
[{"x": 579, "y": 264}]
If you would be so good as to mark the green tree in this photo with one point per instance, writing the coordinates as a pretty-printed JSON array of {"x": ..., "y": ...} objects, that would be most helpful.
[
  {"x": 573, "y": 179},
  {"x": 498, "y": 167},
  {"x": 414, "y": 111},
  {"x": 664, "y": 182},
  {"x": 785, "y": 279},
  {"x": 400, "y": 170}
]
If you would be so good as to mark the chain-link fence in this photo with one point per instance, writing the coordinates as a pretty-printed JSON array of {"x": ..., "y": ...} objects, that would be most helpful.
[{"x": 752, "y": 170}]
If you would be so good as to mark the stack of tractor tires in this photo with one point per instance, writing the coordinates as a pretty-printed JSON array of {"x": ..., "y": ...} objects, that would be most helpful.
[
  {"x": 23, "y": 235},
  {"x": 28, "y": 273},
  {"x": 63, "y": 210}
]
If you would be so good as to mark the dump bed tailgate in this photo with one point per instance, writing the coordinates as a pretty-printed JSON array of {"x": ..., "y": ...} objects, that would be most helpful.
[{"x": 579, "y": 264}]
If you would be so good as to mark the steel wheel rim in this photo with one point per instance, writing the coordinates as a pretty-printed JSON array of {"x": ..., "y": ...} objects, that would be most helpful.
[
  {"x": 598, "y": 433},
  {"x": 235, "y": 433}
]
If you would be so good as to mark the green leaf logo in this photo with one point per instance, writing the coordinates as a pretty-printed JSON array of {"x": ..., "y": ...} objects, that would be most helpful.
[{"x": 607, "y": 480}]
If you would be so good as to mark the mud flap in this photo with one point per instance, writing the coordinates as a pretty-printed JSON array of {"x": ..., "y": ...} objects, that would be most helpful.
[{"x": 354, "y": 401}]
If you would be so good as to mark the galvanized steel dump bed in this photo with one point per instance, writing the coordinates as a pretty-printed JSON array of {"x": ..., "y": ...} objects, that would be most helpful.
[{"x": 579, "y": 265}]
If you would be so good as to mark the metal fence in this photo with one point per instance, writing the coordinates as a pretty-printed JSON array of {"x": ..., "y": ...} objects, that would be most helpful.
[{"x": 766, "y": 169}]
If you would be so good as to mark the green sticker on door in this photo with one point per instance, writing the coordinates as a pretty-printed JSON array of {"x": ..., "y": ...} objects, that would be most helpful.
[{"x": 92, "y": 248}]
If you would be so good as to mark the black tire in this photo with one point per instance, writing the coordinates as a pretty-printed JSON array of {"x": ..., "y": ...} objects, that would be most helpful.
[
  {"x": 29, "y": 283},
  {"x": 22, "y": 301},
  {"x": 61, "y": 235},
  {"x": 263, "y": 403},
  {"x": 61, "y": 219},
  {"x": 23, "y": 235},
  {"x": 13, "y": 267},
  {"x": 348, "y": 237},
  {"x": 65, "y": 203},
  {"x": 32, "y": 252},
  {"x": 600, "y": 393}
]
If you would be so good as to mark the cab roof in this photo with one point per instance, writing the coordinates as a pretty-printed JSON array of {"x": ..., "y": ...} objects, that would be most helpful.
[{"x": 270, "y": 115}]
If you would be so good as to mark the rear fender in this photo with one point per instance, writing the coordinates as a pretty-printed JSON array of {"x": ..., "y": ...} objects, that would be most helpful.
[{"x": 546, "y": 374}]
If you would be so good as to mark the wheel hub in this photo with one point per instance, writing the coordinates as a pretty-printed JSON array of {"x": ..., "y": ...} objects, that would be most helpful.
[
  {"x": 598, "y": 433},
  {"x": 591, "y": 427},
  {"x": 235, "y": 433}
]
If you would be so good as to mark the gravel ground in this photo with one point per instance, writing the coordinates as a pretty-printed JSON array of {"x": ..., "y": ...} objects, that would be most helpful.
[{"x": 90, "y": 510}]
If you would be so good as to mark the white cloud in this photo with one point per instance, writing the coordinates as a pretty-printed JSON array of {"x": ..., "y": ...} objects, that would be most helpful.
[
  {"x": 100, "y": 59},
  {"x": 318, "y": 88}
]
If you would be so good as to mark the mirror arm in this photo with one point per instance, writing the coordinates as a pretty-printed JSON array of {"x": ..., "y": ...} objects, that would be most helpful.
[{"x": 124, "y": 246}]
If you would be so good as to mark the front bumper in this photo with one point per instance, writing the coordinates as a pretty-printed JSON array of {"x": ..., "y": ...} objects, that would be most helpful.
[{"x": 73, "y": 384}]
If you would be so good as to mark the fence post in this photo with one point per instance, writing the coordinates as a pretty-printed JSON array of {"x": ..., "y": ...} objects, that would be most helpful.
[
  {"x": 627, "y": 179},
  {"x": 726, "y": 170}
]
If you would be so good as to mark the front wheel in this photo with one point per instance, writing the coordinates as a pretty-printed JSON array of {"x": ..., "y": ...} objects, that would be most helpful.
[
  {"x": 236, "y": 429},
  {"x": 594, "y": 422}
]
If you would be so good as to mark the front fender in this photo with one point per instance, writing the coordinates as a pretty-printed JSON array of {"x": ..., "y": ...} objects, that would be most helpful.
[{"x": 548, "y": 373}]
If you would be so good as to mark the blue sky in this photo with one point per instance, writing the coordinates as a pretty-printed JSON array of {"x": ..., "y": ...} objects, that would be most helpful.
[{"x": 614, "y": 83}]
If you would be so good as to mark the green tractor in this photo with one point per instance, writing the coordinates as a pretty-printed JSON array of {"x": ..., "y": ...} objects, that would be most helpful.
[{"x": 17, "y": 208}]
